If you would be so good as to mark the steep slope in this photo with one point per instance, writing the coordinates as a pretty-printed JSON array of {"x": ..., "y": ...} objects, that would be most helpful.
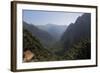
[
  {"x": 81, "y": 29},
  {"x": 45, "y": 38},
  {"x": 76, "y": 40},
  {"x": 33, "y": 44},
  {"x": 80, "y": 50}
]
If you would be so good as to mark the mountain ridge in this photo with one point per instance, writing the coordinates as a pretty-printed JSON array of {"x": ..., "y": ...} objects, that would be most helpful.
[
  {"x": 42, "y": 35},
  {"x": 76, "y": 32},
  {"x": 55, "y": 30}
]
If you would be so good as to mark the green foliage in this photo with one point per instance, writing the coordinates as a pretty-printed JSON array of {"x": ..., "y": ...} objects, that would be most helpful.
[
  {"x": 81, "y": 50},
  {"x": 34, "y": 45}
]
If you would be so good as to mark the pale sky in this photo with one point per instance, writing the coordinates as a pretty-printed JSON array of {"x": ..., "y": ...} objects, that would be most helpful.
[{"x": 49, "y": 17}]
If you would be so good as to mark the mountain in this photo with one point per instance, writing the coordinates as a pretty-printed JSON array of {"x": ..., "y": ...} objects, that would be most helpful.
[
  {"x": 55, "y": 30},
  {"x": 76, "y": 35},
  {"x": 74, "y": 42},
  {"x": 77, "y": 31},
  {"x": 33, "y": 44},
  {"x": 45, "y": 38}
]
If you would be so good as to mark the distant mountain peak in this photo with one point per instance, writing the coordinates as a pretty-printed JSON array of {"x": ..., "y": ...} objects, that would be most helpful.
[{"x": 50, "y": 24}]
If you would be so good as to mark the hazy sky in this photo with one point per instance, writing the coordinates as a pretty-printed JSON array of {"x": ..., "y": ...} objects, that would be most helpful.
[{"x": 49, "y": 17}]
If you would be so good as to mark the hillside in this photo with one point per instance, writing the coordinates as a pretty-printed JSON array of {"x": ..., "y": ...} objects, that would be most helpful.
[
  {"x": 45, "y": 38},
  {"x": 78, "y": 32},
  {"x": 33, "y": 44}
]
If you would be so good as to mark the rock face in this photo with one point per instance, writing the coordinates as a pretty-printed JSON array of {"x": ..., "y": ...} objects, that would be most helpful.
[
  {"x": 77, "y": 31},
  {"x": 76, "y": 40},
  {"x": 28, "y": 55}
]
